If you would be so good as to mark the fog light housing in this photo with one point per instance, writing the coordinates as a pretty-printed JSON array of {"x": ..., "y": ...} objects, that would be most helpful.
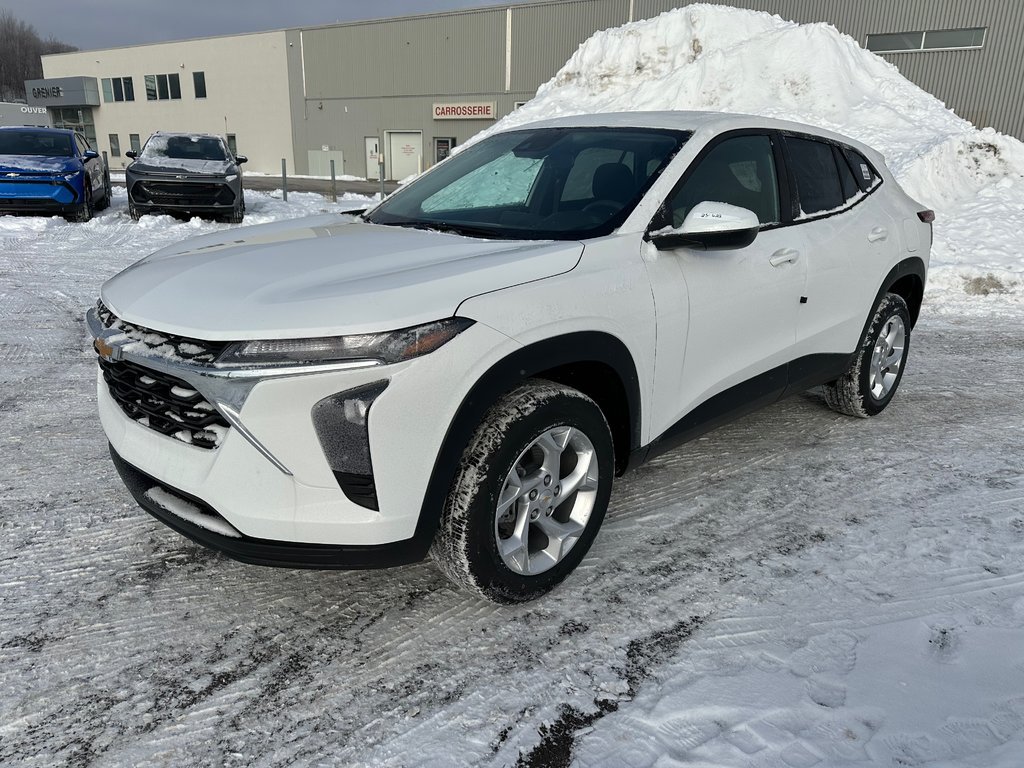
[{"x": 341, "y": 425}]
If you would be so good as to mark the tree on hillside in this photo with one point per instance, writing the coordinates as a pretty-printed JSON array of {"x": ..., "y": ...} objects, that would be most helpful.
[{"x": 20, "y": 49}]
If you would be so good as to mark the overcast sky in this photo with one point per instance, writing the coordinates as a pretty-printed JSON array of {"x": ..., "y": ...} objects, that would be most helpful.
[{"x": 109, "y": 23}]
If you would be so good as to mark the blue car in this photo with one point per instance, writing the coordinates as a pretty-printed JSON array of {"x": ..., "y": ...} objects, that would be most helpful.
[{"x": 51, "y": 170}]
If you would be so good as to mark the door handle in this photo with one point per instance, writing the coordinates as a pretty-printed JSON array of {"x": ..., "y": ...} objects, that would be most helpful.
[
  {"x": 878, "y": 233},
  {"x": 785, "y": 255}
]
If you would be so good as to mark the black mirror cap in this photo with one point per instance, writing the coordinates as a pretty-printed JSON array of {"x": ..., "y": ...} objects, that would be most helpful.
[
  {"x": 708, "y": 241},
  {"x": 241, "y": 159},
  {"x": 131, "y": 153}
]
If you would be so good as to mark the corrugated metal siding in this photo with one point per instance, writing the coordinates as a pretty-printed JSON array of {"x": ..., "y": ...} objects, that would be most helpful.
[
  {"x": 985, "y": 86},
  {"x": 450, "y": 53},
  {"x": 545, "y": 36}
]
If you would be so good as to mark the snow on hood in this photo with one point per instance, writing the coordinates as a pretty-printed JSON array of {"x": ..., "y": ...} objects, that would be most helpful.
[
  {"x": 37, "y": 164},
  {"x": 321, "y": 276},
  {"x": 708, "y": 57}
]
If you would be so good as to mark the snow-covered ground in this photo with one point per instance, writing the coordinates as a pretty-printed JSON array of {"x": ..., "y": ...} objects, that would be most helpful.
[{"x": 796, "y": 589}]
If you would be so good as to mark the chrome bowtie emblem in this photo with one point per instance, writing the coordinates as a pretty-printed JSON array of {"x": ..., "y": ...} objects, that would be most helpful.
[{"x": 105, "y": 349}]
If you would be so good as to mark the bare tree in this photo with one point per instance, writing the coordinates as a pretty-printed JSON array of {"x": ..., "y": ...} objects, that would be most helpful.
[{"x": 20, "y": 49}]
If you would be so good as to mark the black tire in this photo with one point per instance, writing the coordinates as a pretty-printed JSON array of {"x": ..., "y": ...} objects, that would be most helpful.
[
  {"x": 84, "y": 210},
  {"x": 133, "y": 210},
  {"x": 107, "y": 194},
  {"x": 862, "y": 391},
  {"x": 466, "y": 544},
  {"x": 238, "y": 212}
]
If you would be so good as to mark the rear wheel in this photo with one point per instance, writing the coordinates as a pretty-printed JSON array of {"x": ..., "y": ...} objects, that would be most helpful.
[
  {"x": 871, "y": 381},
  {"x": 529, "y": 495}
]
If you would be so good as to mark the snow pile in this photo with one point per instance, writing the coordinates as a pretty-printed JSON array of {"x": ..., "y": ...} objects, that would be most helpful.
[{"x": 707, "y": 57}]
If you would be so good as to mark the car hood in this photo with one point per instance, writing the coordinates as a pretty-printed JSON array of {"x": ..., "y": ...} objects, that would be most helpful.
[
  {"x": 165, "y": 165},
  {"x": 321, "y": 276},
  {"x": 33, "y": 164}
]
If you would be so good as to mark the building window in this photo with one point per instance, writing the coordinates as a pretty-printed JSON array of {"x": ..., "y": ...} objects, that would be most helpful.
[
  {"x": 115, "y": 145},
  {"x": 133, "y": 139},
  {"x": 118, "y": 89},
  {"x": 163, "y": 87},
  {"x": 199, "y": 83},
  {"x": 232, "y": 145},
  {"x": 932, "y": 40}
]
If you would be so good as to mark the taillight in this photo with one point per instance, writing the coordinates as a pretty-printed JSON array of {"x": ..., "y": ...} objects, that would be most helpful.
[{"x": 926, "y": 216}]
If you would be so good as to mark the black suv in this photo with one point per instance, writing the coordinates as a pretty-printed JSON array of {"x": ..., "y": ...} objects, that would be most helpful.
[{"x": 189, "y": 173}]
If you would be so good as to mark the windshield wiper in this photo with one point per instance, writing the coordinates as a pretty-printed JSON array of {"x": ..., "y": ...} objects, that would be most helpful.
[{"x": 446, "y": 228}]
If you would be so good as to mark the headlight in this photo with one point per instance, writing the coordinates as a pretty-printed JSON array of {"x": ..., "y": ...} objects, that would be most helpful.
[
  {"x": 231, "y": 177},
  {"x": 71, "y": 176},
  {"x": 387, "y": 347}
]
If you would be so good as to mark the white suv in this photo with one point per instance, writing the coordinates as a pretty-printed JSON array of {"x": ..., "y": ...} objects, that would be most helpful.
[{"x": 463, "y": 369}]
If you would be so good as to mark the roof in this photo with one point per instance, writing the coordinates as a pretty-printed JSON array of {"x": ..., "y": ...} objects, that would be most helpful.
[{"x": 687, "y": 121}]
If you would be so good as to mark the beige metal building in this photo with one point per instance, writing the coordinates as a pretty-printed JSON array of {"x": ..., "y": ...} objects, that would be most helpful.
[{"x": 413, "y": 87}]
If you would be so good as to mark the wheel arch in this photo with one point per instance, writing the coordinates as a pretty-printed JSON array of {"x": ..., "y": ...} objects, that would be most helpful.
[
  {"x": 596, "y": 363},
  {"x": 906, "y": 279}
]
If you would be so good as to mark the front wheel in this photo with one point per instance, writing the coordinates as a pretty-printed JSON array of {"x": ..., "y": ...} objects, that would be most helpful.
[
  {"x": 108, "y": 194},
  {"x": 529, "y": 495},
  {"x": 877, "y": 368},
  {"x": 84, "y": 210}
]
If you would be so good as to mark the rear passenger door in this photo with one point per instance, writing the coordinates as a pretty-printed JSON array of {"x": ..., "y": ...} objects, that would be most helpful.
[{"x": 849, "y": 232}]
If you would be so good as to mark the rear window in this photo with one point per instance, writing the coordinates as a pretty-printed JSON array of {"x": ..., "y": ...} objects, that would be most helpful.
[
  {"x": 817, "y": 177},
  {"x": 850, "y": 187}
]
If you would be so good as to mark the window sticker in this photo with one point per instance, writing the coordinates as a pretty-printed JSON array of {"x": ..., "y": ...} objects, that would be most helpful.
[{"x": 865, "y": 171}]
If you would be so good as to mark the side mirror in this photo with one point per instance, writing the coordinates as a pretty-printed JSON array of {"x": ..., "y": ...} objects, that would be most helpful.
[
  {"x": 711, "y": 226},
  {"x": 241, "y": 159},
  {"x": 131, "y": 153},
  {"x": 89, "y": 154}
]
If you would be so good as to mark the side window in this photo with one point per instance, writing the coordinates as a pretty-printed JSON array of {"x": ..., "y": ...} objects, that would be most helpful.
[
  {"x": 579, "y": 184},
  {"x": 739, "y": 171},
  {"x": 506, "y": 180},
  {"x": 867, "y": 177},
  {"x": 817, "y": 177}
]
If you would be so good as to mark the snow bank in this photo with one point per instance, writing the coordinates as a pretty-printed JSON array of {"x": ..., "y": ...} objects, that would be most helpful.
[{"x": 707, "y": 57}]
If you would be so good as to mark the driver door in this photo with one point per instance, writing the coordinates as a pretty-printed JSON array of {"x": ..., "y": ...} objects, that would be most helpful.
[{"x": 726, "y": 318}]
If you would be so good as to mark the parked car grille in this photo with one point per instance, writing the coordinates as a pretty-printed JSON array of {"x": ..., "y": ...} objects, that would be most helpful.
[
  {"x": 157, "y": 400},
  {"x": 183, "y": 193},
  {"x": 164, "y": 403}
]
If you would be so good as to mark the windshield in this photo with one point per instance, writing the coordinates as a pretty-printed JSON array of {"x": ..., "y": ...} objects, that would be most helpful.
[
  {"x": 548, "y": 183},
  {"x": 184, "y": 148},
  {"x": 36, "y": 143}
]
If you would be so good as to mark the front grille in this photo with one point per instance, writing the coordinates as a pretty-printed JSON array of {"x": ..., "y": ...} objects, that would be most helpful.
[
  {"x": 163, "y": 403},
  {"x": 163, "y": 344},
  {"x": 183, "y": 193},
  {"x": 157, "y": 400}
]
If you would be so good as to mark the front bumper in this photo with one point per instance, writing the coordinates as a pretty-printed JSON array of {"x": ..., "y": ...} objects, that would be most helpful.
[
  {"x": 190, "y": 195},
  {"x": 42, "y": 195},
  {"x": 269, "y": 478},
  {"x": 247, "y": 549}
]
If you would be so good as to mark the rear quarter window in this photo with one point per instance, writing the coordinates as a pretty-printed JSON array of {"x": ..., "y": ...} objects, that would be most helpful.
[{"x": 866, "y": 176}]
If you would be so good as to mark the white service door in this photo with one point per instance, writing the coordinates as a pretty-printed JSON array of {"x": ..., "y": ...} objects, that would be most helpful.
[
  {"x": 405, "y": 154},
  {"x": 372, "y": 155}
]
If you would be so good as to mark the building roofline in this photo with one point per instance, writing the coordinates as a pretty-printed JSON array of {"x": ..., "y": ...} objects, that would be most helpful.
[{"x": 328, "y": 25}]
